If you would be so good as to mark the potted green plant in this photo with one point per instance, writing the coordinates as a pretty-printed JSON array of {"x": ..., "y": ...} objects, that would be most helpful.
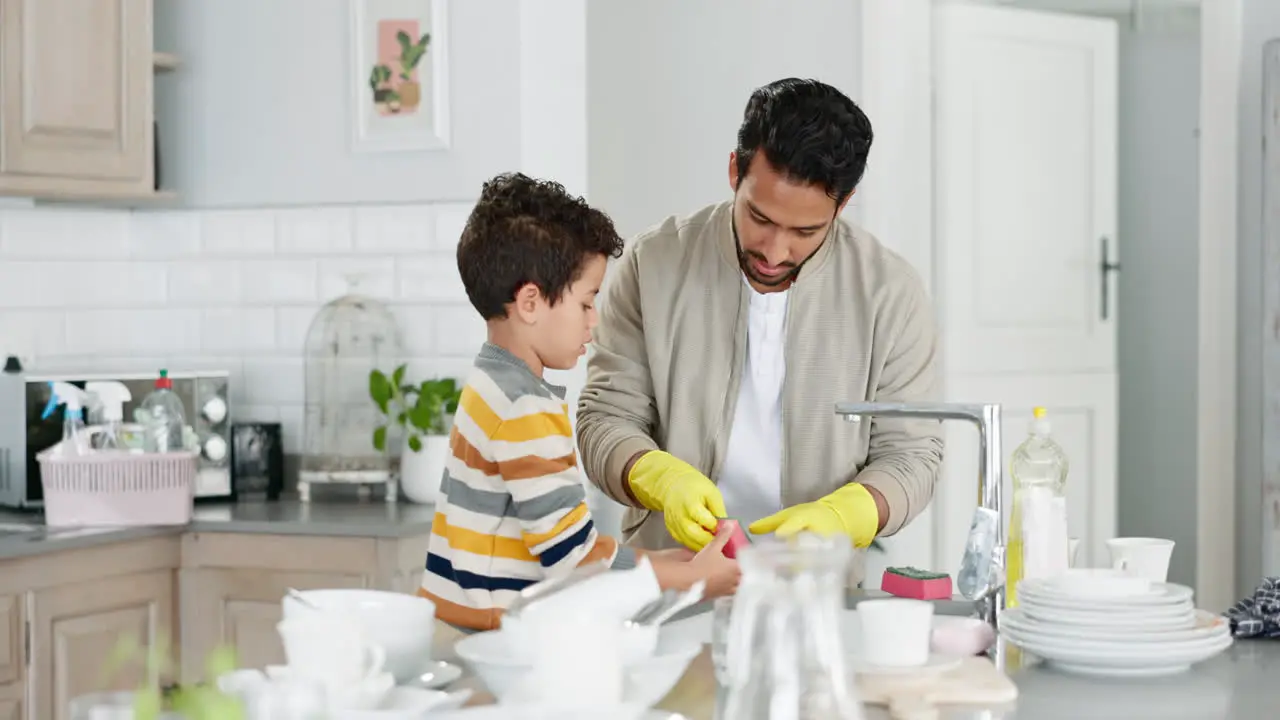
[
  {"x": 411, "y": 53},
  {"x": 424, "y": 412},
  {"x": 152, "y": 700}
]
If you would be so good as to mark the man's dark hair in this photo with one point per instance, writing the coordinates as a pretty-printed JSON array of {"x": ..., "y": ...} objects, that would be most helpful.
[
  {"x": 523, "y": 231},
  {"x": 809, "y": 132}
]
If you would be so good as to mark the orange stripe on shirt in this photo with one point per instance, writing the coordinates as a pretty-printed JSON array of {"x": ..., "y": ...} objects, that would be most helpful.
[
  {"x": 533, "y": 466},
  {"x": 463, "y": 616}
]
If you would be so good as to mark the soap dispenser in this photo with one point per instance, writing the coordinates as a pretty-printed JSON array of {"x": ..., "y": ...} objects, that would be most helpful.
[{"x": 112, "y": 395}]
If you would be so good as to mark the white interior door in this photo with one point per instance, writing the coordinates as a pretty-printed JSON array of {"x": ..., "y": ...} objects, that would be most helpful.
[{"x": 1025, "y": 187}]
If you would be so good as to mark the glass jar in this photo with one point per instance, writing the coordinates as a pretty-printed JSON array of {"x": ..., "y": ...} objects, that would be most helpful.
[
  {"x": 350, "y": 337},
  {"x": 785, "y": 651}
]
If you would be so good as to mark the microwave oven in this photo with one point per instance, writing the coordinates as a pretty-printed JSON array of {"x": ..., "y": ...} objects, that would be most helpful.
[{"x": 24, "y": 433}]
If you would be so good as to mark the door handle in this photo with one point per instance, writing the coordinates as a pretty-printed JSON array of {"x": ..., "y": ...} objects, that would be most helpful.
[{"x": 1107, "y": 267}]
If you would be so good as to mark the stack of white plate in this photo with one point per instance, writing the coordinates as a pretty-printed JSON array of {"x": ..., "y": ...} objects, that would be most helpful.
[{"x": 1092, "y": 628}]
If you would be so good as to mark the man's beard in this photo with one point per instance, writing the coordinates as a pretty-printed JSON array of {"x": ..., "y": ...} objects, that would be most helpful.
[{"x": 744, "y": 262}]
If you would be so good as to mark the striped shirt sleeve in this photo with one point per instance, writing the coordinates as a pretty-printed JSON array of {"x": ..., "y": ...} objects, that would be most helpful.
[{"x": 538, "y": 464}]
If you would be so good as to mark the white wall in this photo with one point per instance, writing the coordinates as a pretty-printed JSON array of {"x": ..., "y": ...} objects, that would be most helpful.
[
  {"x": 1159, "y": 252},
  {"x": 259, "y": 113},
  {"x": 667, "y": 82}
]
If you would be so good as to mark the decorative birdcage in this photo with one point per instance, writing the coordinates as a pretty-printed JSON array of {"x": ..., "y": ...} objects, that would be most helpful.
[{"x": 349, "y": 338}]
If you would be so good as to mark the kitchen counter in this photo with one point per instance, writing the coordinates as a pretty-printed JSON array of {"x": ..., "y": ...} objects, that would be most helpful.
[
  {"x": 1239, "y": 684},
  {"x": 371, "y": 519}
]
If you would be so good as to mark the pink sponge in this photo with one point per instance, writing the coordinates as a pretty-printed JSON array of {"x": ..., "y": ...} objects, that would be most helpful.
[
  {"x": 737, "y": 541},
  {"x": 911, "y": 582}
]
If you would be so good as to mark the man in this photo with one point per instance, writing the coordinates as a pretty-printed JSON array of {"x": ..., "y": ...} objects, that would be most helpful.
[{"x": 726, "y": 337}]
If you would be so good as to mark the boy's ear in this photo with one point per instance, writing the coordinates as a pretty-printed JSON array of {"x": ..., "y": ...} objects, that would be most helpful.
[{"x": 527, "y": 302}]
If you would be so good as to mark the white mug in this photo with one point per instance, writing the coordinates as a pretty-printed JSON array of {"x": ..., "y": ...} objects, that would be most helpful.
[
  {"x": 329, "y": 650},
  {"x": 1147, "y": 558},
  {"x": 895, "y": 632}
]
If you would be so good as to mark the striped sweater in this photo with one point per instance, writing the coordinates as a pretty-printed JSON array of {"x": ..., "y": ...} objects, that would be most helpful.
[{"x": 513, "y": 506}]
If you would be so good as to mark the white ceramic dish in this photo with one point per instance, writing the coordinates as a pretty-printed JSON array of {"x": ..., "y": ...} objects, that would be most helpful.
[
  {"x": 645, "y": 681},
  {"x": 637, "y": 641},
  {"x": 1099, "y": 583},
  {"x": 409, "y": 703},
  {"x": 402, "y": 624},
  {"x": 437, "y": 675},
  {"x": 1159, "y": 594},
  {"x": 628, "y": 711},
  {"x": 1206, "y": 625}
]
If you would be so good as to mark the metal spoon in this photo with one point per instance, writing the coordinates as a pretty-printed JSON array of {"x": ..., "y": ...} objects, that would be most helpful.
[{"x": 301, "y": 598}]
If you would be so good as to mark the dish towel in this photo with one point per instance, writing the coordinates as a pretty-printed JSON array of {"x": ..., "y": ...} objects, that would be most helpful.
[{"x": 1259, "y": 614}]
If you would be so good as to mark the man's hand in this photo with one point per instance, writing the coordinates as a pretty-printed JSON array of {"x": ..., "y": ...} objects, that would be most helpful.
[
  {"x": 849, "y": 511},
  {"x": 688, "y": 500}
]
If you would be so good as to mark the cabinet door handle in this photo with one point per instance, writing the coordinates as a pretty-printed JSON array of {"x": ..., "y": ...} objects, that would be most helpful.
[{"x": 1107, "y": 267}]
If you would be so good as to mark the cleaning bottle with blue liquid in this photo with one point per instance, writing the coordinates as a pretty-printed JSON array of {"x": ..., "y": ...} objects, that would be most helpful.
[{"x": 75, "y": 439}]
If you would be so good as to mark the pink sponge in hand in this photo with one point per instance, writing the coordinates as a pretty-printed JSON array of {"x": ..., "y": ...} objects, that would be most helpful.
[
  {"x": 911, "y": 582},
  {"x": 737, "y": 541}
]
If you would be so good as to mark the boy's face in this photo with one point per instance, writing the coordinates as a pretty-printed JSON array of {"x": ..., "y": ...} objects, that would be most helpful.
[{"x": 564, "y": 329}]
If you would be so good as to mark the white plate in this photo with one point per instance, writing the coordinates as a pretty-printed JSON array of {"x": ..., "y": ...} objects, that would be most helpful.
[
  {"x": 1047, "y": 593},
  {"x": 437, "y": 675},
  {"x": 409, "y": 702},
  {"x": 937, "y": 663},
  {"x": 552, "y": 712},
  {"x": 1206, "y": 625},
  {"x": 1075, "y": 655},
  {"x": 1180, "y": 619}
]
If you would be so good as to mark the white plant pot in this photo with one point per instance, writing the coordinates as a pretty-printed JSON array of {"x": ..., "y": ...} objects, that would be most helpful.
[{"x": 422, "y": 471}]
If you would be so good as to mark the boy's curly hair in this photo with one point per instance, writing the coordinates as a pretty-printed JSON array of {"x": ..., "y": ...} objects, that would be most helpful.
[{"x": 524, "y": 230}]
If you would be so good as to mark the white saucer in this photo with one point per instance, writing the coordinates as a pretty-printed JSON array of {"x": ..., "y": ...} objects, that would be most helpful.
[
  {"x": 436, "y": 675},
  {"x": 404, "y": 702},
  {"x": 937, "y": 663}
]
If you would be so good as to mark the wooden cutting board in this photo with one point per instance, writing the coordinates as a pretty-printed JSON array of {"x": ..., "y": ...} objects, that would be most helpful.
[{"x": 975, "y": 681}]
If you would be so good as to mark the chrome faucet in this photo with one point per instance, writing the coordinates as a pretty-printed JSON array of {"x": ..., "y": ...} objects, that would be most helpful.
[{"x": 989, "y": 599}]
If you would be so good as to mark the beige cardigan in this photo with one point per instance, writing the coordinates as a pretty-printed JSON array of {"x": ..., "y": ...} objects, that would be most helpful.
[{"x": 671, "y": 344}]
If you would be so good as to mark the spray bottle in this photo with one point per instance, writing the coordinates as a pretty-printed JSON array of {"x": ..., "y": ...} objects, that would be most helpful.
[
  {"x": 75, "y": 440},
  {"x": 112, "y": 395}
]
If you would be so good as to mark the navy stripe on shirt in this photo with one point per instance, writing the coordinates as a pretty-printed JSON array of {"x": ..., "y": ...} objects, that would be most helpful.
[
  {"x": 473, "y": 581},
  {"x": 560, "y": 550}
]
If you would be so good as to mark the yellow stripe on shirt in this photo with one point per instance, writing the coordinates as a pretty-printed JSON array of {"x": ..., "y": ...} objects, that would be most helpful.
[{"x": 479, "y": 543}]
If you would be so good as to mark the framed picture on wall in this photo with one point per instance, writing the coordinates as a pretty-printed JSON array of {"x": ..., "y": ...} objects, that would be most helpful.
[{"x": 399, "y": 75}]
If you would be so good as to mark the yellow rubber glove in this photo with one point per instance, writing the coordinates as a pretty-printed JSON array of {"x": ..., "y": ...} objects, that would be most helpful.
[
  {"x": 848, "y": 511},
  {"x": 688, "y": 500}
]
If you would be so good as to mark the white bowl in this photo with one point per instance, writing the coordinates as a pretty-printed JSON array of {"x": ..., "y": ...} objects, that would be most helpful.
[
  {"x": 638, "y": 641},
  {"x": 404, "y": 625},
  {"x": 646, "y": 680}
]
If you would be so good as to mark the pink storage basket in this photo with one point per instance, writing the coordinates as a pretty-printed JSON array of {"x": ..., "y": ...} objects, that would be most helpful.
[{"x": 117, "y": 488}]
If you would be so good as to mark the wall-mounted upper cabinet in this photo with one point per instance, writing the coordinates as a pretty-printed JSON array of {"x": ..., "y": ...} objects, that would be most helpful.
[{"x": 76, "y": 99}]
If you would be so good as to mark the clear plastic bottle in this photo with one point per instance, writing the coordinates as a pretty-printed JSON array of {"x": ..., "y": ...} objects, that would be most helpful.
[
  {"x": 1038, "y": 526},
  {"x": 165, "y": 417}
]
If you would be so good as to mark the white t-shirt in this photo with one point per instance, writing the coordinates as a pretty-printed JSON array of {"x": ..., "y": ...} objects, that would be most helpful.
[{"x": 751, "y": 478}]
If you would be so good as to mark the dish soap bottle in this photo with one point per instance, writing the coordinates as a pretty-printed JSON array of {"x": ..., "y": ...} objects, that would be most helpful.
[
  {"x": 112, "y": 395},
  {"x": 75, "y": 440},
  {"x": 1038, "y": 527},
  {"x": 165, "y": 417}
]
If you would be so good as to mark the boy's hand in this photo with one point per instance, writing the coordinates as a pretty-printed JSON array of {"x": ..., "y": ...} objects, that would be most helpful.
[
  {"x": 672, "y": 555},
  {"x": 720, "y": 573}
]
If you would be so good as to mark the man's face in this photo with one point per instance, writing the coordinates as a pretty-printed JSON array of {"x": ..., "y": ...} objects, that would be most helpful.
[{"x": 779, "y": 222}]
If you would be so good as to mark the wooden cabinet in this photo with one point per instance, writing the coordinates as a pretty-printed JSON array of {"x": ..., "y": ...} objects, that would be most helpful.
[
  {"x": 75, "y": 628},
  {"x": 76, "y": 99},
  {"x": 231, "y": 585},
  {"x": 62, "y": 613}
]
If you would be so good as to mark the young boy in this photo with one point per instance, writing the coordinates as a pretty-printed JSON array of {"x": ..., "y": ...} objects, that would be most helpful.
[{"x": 513, "y": 508}]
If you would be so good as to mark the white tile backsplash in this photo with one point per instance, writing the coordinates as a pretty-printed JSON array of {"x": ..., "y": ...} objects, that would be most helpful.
[{"x": 116, "y": 291}]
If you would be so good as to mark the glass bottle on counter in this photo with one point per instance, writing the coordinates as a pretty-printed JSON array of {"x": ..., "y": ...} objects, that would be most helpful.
[
  {"x": 785, "y": 651},
  {"x": 1038, "y": 542}
]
